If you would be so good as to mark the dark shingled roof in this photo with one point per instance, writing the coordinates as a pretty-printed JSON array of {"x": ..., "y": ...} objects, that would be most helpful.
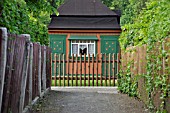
[
  {"x": 85, "y": 14},
  {"x": 85, "y": 7}
]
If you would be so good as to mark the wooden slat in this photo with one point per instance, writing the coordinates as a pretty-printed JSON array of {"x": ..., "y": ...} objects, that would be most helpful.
[
  {"x": 105, "y": 69},
  {"x": 51, "y": 55},
  {"x": 101, "y": 80},
  {"x": 97, "y": 69},
  {"x": 72, "y": 69},
  {"x": 109, "y": 71},
  {"x": 113, "y": 69},
  {"x": 3, "y": 59},
  {"x": 24, "y": 74},
  {"x": 117, "y": 63},
  {"x": 59, "y": 69},
  {"x": 39, "y": 71},
  {"x": 88, "y": 69},
  {"x": 80, "y": 69},
  {"x": 84, "y": 69},
  {"x": 76, "y": 70},
  {"x": 63, "y": 70},
  {"x": 68, "y": 69},
  {"x": 55, "y": 65},
  {"x": 93, "y": 69}
]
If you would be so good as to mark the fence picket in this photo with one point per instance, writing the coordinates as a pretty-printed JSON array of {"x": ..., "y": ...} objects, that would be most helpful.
[
  {"x": 63, "y": 70},
  {"x": 59, "y": 69},
  {"x": 72, "y": 69},
  {"x": 113, "y": 69},
  {"x": 105, "y": 69},
  {"x": 93, "y": 69},
  {"x": 80, "y": 69},
  {"x": 84, "y": 69},
  {"x": 101, "y": 78},
  {"x": 109, "y": 71},
  {"x": 88, "y": 69},
  {"x": 68, "y": 60},
  {"x": 55, "y": 66},
  {"x": 76, "y": 70},
  {"x": 97, "y": 69}
]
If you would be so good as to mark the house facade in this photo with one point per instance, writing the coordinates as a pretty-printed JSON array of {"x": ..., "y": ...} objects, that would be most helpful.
[{"x": 85, "y": 27}]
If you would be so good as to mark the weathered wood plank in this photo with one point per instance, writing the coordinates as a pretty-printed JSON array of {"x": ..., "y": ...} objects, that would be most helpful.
[
  {"x": 44, "y": 69},
  {"x": 39, "y": 71},
  {"x": 24, "y": 73},
  {"x": 3, "y": 54},
  {"x": 31, "y": 73},
  {"x": 8, "y": 73}
]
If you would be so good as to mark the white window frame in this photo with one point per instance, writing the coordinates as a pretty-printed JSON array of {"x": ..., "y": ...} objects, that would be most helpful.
[{"x": 86, "y": 43}]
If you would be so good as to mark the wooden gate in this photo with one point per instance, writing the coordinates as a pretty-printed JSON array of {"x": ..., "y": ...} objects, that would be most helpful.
[{"x": 92, "y": 70}]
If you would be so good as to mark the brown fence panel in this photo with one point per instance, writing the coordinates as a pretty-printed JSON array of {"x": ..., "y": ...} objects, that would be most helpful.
[
  {"x": 8, "y": 73},
  {"x": 20, "y": 67},
  {"x": 35, "y": 70},
  {"x": 48, "y": 67},
  {"x": 16, "y": 74}
]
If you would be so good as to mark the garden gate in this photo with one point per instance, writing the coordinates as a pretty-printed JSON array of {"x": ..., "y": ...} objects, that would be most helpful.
[{"x": 92, "y": 70}]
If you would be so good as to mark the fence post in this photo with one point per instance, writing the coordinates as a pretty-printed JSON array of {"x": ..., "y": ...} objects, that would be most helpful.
[
  {"x": 30, "y": 76},
  {"x": 3, "y": 54},
  {"x": 44, "y": 70},
  {"x": 24, "y": 73},
  {"x": 39, "y": 71}
]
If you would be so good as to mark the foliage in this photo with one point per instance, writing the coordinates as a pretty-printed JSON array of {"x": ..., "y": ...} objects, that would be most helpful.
[
  {"x": 28, "y": 17},
  {"x": 150, "y": 26},
  {"x": 126, "y": 83},
  {"x": 152, "y": 23}
]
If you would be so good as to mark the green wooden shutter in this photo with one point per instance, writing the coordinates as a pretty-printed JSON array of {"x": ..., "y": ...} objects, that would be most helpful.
[
  {"x": 109, "y": 44},
  {"x": 58, "y": 45}
]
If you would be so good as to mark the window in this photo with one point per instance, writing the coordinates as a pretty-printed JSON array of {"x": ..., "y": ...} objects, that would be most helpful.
[{"x": 82, "y": 47}]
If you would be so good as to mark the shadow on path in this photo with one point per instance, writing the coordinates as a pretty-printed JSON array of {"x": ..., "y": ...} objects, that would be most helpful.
[{"x": 88, "y": 100}]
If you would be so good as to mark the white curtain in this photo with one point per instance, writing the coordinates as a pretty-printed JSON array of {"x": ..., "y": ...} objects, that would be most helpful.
[
  {"x": 91, "y": 49},
  {"x": 74, "y": 48}
]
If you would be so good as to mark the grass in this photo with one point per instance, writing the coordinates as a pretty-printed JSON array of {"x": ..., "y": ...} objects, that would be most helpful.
[{"x": 91, "y": 84}]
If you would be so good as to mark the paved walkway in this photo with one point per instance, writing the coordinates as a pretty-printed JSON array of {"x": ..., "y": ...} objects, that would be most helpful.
[{"x": 88, "y": 100}]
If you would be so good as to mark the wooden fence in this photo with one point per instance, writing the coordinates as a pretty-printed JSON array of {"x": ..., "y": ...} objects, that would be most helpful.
[
  {"x": 24, "y": 73},
  {"x": 138, "y": 66},
  {"x": 94, "y": 70}
]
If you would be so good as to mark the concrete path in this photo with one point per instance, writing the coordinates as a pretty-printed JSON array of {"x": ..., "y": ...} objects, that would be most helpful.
[{"x": 88, "y": 100}]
